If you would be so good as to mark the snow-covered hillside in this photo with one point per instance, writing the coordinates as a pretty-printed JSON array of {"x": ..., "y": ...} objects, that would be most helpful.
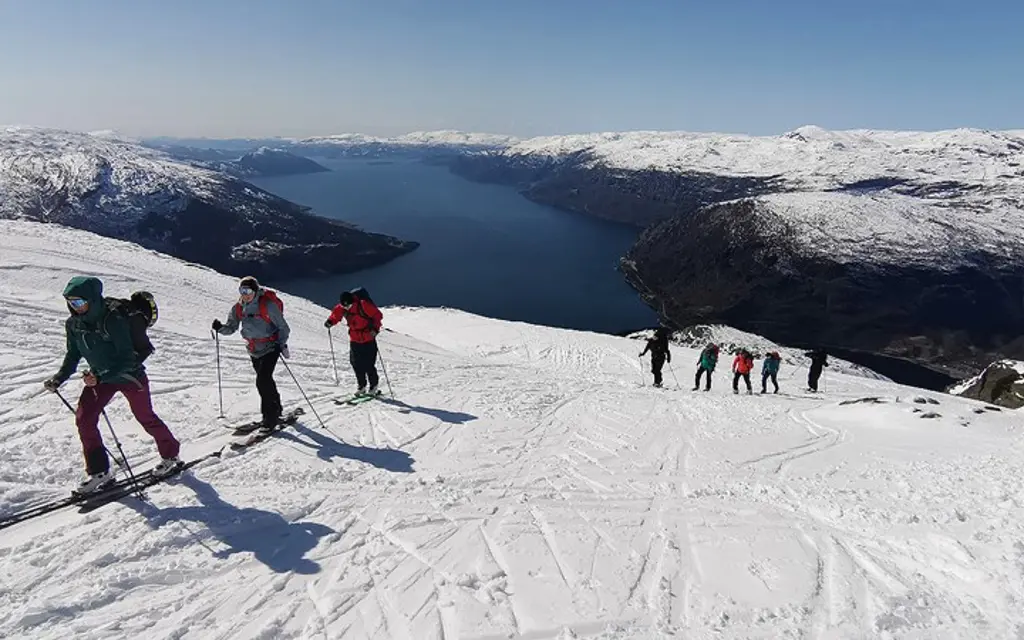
[
  {"x": 521, "y": 484},
  {"x": 811, "y": 157},
  {"x": 443, "y": 138}
]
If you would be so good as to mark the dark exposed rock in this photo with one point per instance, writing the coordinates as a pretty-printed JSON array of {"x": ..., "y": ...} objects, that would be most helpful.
[
  {"x": 869, "y": 400},
  {"x": 1001, "y": 383}
]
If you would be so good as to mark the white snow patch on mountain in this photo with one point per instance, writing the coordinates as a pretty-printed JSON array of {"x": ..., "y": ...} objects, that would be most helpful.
[
  {"x": 443, "y": 138},
  {"x": 812, "y": 157},
  {"x": 47, "y": 169},
  {"x": 845, "y": 227},
  {"x": 522, "y": 484}
]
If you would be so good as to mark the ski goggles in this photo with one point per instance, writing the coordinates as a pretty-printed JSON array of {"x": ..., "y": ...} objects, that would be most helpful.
[
  {"x": 246, "y": 291},
  {"x": 77, "y": 303}
]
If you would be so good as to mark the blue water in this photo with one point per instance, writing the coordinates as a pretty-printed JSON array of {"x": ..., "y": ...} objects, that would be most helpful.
[{"x": 483, "y": 248}]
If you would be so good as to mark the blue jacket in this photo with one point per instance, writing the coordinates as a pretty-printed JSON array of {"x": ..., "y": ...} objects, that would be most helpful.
[{"x": 770, "y": 366}]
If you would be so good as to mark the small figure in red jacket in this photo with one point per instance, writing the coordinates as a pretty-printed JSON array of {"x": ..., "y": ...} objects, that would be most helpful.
[
  {"x": 364, "y": 322},
  {"x": 741, "y": 368}
]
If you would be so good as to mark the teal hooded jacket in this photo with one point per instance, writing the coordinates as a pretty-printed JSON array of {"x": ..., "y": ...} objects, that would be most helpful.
[{"x": 102, "y": 338}]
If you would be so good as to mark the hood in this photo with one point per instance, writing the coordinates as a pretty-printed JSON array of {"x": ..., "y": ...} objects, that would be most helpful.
[{"x": 90, "y": 289}]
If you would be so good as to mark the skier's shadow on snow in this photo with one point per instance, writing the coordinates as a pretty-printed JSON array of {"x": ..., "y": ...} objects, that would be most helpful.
[
  {"x": 451, "y": 417},
  {"x": 394, "y": 460},
  {"x": 277, "y": 543}
]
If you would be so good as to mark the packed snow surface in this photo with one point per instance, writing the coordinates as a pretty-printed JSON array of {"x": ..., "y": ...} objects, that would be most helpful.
[{"x": 522, "y": 484}]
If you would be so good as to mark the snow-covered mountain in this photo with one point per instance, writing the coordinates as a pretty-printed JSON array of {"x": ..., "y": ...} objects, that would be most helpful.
[
  {"x": 121, "y": 189},
  {"x": 418, "y": 143},
  {"x": 522, "y": 483}
]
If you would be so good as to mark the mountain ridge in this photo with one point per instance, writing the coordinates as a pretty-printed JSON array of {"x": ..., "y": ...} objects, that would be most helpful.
[{"x": 122, "y": 189}]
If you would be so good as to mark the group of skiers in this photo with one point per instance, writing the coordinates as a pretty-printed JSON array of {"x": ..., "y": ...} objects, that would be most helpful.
[
  {"x": 108, "y": 336},
  {"x": 742, "y": 364}
]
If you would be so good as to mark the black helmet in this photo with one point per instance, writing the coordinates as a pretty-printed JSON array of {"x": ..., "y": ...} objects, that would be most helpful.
[{"x": 346, "y": 298}]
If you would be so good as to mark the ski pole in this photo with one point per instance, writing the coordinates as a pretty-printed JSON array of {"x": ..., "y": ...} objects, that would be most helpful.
[
  {"x": 673, "y": 372},
  {"x": 72, "y": 410},
  {"x": 303, "y": 393},
  {"x": 330, "y": 339},
  {"x": 385, "y": 370},
  {"x": 220, "y": 392},
  {"x": 127, "y": 466}
]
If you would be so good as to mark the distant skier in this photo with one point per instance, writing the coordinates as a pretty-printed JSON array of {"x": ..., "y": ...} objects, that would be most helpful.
[
  {"x": 260, "y": 314},
  {"x": 658, "y": 346},
  {"x": 741, "y": 368},
  {"x": 819, "y": 359},
  {"x": 364, "y": 323},
  {"x": 706, "y": 364},
  {"x": 770, "y": 371},
  {"x": 103, "y": 337}
]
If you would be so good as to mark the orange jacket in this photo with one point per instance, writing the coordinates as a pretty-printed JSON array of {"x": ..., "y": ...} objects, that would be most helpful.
[
  {"x": 364, "y": 320},
  {"x": 743, "y": 363}
]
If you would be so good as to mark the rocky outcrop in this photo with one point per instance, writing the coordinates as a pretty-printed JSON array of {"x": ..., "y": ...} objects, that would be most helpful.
[
  {"x": 1001, "y": 383},
  {"x": 119, "y": 189}
]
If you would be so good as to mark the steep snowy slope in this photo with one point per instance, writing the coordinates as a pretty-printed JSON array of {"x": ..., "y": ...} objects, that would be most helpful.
[
  {"x": 523, "y": 484},
  {"x": 121, "y": 189}
]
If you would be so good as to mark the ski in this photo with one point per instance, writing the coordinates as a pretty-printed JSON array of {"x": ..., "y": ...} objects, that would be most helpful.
[
  {"x": 358, "y": 398},
  {"x": 287, "y": 419},
  {"x": 120, "y": 488},
  {"x": 125, "y": 486},
  {"x": 248, "y": 427},
  {"x": 92, "y": 502}
]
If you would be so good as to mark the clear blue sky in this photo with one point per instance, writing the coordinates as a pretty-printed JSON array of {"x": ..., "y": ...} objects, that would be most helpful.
[{"x": 525, "y": 67}]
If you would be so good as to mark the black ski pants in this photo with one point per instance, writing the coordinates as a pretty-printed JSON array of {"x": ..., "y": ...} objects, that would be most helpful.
[
  {"x": 657, "y": 362},
  {"x": 812, "y": 376},
  {"x": 270, "y": 399},
  {"x": 700, "y": 371},
  {"x": 765, "y": 377},
  {"x": 363, "y": 358},
  {"x": 736, "y": 380}
]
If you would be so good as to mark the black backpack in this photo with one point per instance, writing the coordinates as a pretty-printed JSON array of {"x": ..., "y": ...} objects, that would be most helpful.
[
  {"x": 141, "y": 313},
  {"x": 360, "y": 293}
]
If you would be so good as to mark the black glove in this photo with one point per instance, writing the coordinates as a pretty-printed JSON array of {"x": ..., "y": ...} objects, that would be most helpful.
[
  {"x": 52, "y": 384},
  {"x": 328, "y": 324},
  {"x": 283, "y": 350},
  {"x": 217, "y": 325}
]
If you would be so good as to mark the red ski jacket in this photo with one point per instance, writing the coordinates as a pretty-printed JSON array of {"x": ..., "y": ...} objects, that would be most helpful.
[
  {"x": 742, "y": 364},
  {"x": 364, "y": 320}
]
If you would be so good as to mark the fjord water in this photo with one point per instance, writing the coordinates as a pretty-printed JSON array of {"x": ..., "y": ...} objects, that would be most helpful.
[{"x": 483, "y": 248}]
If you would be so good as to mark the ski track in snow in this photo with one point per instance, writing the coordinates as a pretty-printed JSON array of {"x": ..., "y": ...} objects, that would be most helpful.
[{"x": 523, "y": 485}]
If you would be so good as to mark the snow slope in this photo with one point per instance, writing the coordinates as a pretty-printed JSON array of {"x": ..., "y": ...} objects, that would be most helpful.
[{"x": 522, "y": 485}]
